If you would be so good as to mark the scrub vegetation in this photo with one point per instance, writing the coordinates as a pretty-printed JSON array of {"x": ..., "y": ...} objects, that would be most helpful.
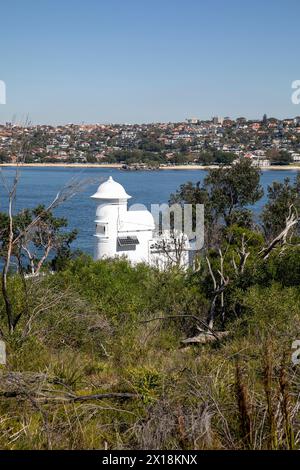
[{"x": 104, "y": 355}]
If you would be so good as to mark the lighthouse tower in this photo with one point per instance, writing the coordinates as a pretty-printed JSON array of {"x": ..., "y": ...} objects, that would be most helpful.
[
  {"x": 121, "y": 232},
  {"x": 112, "y": 199},
  {"x": 131, "y": 233}
]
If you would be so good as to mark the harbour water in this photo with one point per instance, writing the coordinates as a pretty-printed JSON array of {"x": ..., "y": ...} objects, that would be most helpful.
[{"x": 39, "y": 186}]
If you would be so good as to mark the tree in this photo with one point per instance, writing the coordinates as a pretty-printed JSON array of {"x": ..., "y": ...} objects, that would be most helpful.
[
  {"x": 179, "y": 158},
  {"x": 244, "y": 257},
  {"x": 280, "y": 157},
  {"x": 206, "y": 158},
  {"x": 291, "y": 222},
  {"x": 16, "y": 230},
  {"x": 232, "y": 189},
  {"x": 172, "y": 248},
  {"x": 46, "y": 237},
  {"x": 194, "y": 194},
  {"x": 91, "y": 158},
  {"x": 3, "y": 157},
  {"x": 280, "y": 197},
  {"x": 225, "y": 193},
  {"x": 224, "y": 158}
]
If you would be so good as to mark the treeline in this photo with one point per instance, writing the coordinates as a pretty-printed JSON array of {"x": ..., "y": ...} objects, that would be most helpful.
[{"x": 184, "y": 156}]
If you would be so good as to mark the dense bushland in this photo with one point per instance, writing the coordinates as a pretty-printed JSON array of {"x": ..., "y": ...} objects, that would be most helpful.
[
  {"x": 89, "y": 333},
  {"x": 107, "y": 355}
]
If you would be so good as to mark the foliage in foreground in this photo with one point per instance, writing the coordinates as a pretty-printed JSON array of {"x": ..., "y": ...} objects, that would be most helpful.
[
  {"x": 88, "y": 332},
  {"x": 106, "y": 355}
]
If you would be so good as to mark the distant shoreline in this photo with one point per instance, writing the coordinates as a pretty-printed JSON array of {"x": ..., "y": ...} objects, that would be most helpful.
[{"x": 118, "y": 166}]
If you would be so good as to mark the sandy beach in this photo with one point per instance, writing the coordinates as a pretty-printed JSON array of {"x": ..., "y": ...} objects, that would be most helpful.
[{"x": 119, "y": 166}]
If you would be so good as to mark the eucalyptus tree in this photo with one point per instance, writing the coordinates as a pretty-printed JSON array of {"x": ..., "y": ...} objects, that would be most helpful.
[
  {"x": 30, "y": 233},
  {"x": 281, "y": 195}
]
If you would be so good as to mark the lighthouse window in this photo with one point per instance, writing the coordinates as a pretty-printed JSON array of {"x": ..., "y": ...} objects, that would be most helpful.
[
  {"x": 128, "y": 241},
  {"x": 101, "y": 229}
]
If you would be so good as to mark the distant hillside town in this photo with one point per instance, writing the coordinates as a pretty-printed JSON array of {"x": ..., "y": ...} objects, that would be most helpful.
[{"x": 268, "y": 141}]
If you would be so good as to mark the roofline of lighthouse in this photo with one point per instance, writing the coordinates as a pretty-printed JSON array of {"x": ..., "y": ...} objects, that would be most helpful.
[
  {"x": 95, "y": 196},
  {"x": 122, "y": 197}
]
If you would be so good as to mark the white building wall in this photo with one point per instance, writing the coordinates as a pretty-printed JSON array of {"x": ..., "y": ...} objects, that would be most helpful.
[
  {"x": 113, "y": 220},
  {"x": 138, "y": 253},
  {"x": 107, "y": 218}
]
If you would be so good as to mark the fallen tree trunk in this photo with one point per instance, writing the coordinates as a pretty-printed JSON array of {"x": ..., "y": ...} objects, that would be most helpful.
[
  {"x": 101, "y": 396},
  {"x": 66, "y": 398},
  {"x": 37, "y": 387},
  {"x": 206, "y": 337}
]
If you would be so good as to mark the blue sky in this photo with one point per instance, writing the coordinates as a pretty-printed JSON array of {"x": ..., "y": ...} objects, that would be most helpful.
[{"x": 145, "y": 61}]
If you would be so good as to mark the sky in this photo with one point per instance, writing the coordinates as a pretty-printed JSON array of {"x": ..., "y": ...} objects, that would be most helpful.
[{"x": 129, "y": 61}]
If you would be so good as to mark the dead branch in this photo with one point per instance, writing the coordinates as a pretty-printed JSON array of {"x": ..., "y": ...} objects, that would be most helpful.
[
  {"x": 290, "y": 222},
  {"x": 211, "y": 273},
  {"x": 11, "y": 321},
  {"x": 243, "y": 255},
  {"x": 173, "y": 246},
  {"x": 101, "y": 396},
  {"x": 218, "y": 290},
  {"x": 36, "y": 387},
  {"x": 206, "y": 337},
  {"x": 68, "y": 191},
  {"x": 203, "y": 323},
  {"x": 67, "y": 398}
]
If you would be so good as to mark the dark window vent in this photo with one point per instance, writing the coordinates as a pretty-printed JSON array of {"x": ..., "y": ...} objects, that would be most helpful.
[{"x": 128, "y": 241}]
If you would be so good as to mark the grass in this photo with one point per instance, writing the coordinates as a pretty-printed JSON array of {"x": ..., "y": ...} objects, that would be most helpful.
[{"x": 86, "y": 335}]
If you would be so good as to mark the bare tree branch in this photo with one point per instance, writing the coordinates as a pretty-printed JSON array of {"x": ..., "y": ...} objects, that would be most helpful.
[{"x": 291, "y": 221}]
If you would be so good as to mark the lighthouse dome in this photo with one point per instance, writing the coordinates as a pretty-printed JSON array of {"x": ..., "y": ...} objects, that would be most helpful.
[{"x": 110, "y": 189}]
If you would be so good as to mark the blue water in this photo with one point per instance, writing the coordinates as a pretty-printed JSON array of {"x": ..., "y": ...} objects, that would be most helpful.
[{"x": 40, "y": 185}]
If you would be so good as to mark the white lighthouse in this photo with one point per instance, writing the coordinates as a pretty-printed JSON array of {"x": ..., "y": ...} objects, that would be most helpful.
[
  {"x": 130, "y": 233},
  {"x": 119, "y": 231}
]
